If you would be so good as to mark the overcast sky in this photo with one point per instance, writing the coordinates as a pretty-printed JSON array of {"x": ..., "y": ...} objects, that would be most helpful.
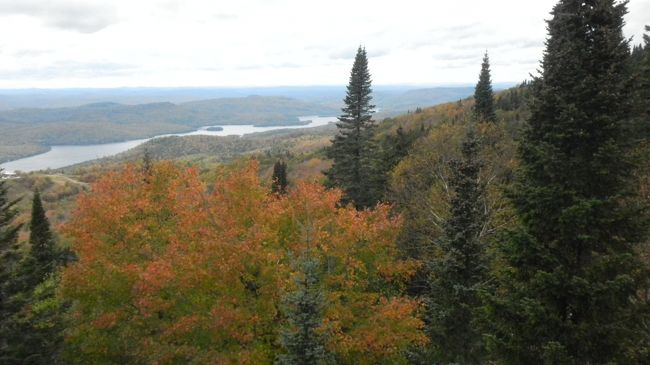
[{"x": 112, "y": 43}]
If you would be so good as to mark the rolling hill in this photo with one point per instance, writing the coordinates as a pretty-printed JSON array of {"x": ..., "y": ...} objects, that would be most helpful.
[{"x": 28, "y": 131}]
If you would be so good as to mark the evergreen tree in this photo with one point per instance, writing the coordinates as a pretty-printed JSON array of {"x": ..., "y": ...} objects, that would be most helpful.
[
  {"x": 301, "y": 339},
  {"x": 147, "y": 165},
  {"x": 393, "y": 149},
  {"x": 43, "y": 253},
  {"x": 9, "y": 258},
  {"x": 35, "y": 332},
  {"x": 353, "y": 149},
  {"x": 458, "y": 271},
  {"x": 568, "y": 278},
  {"x": 484, "y": 110},
  {"x": 280, "y": 183},
  {"x": 35, "y": 321},
  {"x": 643, "y": 100},
  {"x": 8, "y": 235}
]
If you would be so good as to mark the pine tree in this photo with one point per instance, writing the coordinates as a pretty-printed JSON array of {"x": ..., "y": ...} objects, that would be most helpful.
[
  {"x": 35, "y": 332},
  {"x": 147, "y": 165},
  {"x": 393, "y": 149},
  {"x": 569, "y": 276},
  {"x": 279, "y": 183},
  {"x": 8, "y": 233},
  {"x": 484, "y": 110},
  {"x": 301, "y": 339},
  {"x": 644, "y": 84},
  {"x": 458, "y": 271},
  {"x": 42, "y": 246},
  {"x": 9, "y": 258},
  {"x": 35, "y": 322},
  {"x": 353, "y": 149}
]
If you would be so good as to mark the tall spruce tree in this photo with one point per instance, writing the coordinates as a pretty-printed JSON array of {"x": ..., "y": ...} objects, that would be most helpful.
[
  {"x": 280, "y": 182},
  {"x": 302, "y": 342},
  {"x": 43, "y": 256},
  {"x": 569, "y": 276},
  {"x": 458, "y": 271},
  {"x": 484, "y": 110},
  {"x": 353, "y": 148},
  {"x": 36, "y": 318}
]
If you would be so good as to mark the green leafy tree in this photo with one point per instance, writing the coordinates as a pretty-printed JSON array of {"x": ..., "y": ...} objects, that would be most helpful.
[
  {"x": 484, "y": 110},
  {"x": 303, "y": 339},
  {"x": 280, "y": 182},
  {"x": 458, "y": 271},
  {"x": 569, "y": 278},
  {"x": 353, "y": 149}
]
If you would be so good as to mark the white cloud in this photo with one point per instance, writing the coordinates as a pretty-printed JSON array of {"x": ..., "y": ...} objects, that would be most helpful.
[{"x": 270, "y": 42}]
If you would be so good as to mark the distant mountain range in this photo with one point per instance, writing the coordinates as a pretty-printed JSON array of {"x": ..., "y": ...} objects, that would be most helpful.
[
  {"x": 33, "y": 120},
  {"x": 256, "y": 110},
  {"x": 30, "y": 130},
  {"x": 329, "y": 95}
]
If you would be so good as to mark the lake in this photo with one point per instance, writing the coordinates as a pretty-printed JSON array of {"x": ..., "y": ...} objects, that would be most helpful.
[{"x": 62, "y": 156}]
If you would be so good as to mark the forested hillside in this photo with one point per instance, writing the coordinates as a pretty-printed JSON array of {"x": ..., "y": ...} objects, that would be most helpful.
[
  {"x": 510, "y": 228},
  {"x": 29, "y": 131},
  {"x": 25, "y": 131}
]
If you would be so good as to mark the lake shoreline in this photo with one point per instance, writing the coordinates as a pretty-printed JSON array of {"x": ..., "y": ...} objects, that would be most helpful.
[{"x": 62, "y": 156}]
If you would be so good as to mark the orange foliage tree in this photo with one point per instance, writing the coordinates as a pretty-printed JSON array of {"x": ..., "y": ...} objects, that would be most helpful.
[{"x": 172, "y": 272}]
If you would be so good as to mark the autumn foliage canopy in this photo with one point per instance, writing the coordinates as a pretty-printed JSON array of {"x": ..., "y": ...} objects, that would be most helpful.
[{"x": 172, "y": 271}]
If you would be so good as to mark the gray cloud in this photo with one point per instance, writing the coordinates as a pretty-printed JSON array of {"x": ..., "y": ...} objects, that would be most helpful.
[{"x": 77, "y": 15}]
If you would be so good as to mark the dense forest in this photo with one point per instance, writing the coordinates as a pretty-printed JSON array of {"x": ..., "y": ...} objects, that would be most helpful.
[{"x": 506, "y": 228}]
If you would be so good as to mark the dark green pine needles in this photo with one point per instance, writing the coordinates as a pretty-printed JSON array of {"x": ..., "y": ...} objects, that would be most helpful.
[
  {"x": 8, "y": 230},
  {"x": 458, "y": 271},
  {"x": 484, "y": 110},
  {"x": 353, "y": 149},
  {"x": 644, "y": 84},
  {"x": 569, "y": 277},
  {"x": 279, "y": 180},
  {"x": 302, "y": 340},
  {"x": 34, "y": 330},
  {"x": 9, "y": 254},
  {"x": 43, "y": 254}
]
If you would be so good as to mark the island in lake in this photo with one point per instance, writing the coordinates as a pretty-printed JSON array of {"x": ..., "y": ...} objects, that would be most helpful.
[{"x": 214, "y": 129}]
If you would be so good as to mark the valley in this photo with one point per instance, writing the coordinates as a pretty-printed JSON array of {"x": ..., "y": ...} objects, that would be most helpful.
[{"x": 40, "y": 138}]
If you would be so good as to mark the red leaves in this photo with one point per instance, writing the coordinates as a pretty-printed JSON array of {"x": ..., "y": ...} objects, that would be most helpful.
[{"x": 199, "y": 275}]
